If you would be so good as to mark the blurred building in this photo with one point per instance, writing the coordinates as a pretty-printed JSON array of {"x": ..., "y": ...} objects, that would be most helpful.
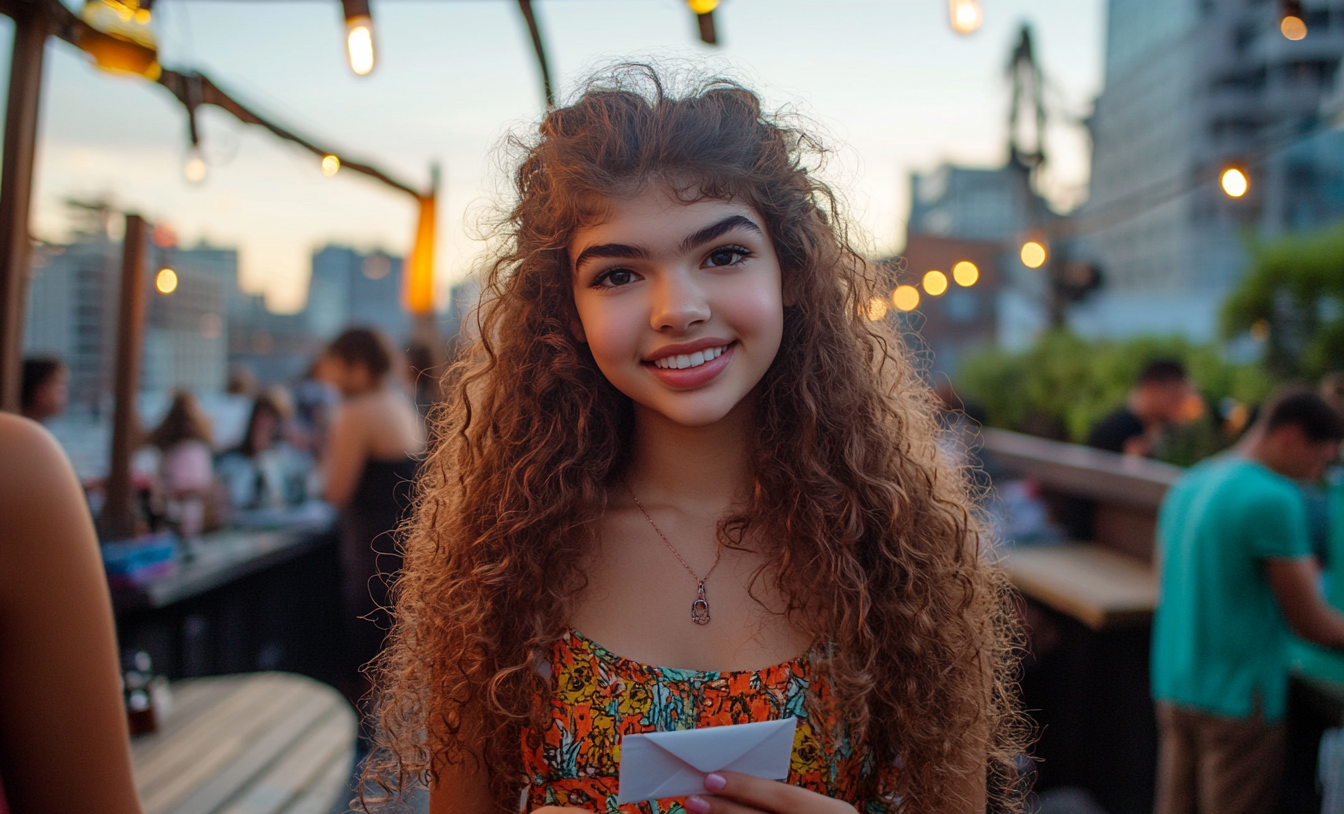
[
  {"x": 959, "y": 312},
  {"x": 348, "y": 288},
  {"x": 985, "y": 215},
  {"x": 186, "y": 330},
  {"x": 1192, "y": 87},
  {"x": 72, "y": 312}
]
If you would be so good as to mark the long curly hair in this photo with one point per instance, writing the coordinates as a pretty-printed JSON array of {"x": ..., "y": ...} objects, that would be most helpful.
[{"x": 871, "y": 535}]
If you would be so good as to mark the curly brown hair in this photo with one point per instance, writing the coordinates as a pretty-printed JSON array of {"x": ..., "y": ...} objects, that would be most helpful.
[{"x": 873, "y": 540}]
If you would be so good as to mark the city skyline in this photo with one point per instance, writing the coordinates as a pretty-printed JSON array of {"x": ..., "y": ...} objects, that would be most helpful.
[{"x": 889, "y": 83}]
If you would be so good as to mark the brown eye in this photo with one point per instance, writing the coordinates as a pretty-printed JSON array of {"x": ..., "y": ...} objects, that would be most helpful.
[
  {"x": 614, "y": 278},
  {"x": 726, "y": 256}
]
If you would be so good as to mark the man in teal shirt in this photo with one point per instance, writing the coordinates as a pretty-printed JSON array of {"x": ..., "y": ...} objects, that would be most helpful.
[{"x": 1236, "y": 577}]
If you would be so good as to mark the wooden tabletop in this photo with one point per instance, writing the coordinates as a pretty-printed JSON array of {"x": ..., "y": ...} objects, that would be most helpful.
[
  {"x": 1098, "y": 586},
  {"x": 260, "y": 743}
]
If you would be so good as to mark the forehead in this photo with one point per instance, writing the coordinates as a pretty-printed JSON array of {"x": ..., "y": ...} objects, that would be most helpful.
[{"x": 654, "y": 218}]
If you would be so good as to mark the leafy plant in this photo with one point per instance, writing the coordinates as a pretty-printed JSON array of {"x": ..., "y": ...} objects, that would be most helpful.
[
  {"x": 1293, "y": 298},
  {"x": 1063, "y": 384}
]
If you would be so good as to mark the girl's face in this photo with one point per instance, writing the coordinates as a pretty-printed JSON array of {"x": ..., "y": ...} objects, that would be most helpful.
[{"x": 680, "y": 303}]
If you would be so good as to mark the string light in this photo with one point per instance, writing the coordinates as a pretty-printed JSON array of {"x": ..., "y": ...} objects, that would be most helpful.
[
  {"x": 965, "y": 273},
  {"x": 966, "y": 15},
  {"x": 1033, "y": 254},
  {"x": 330, "y": 165},
  {"x": 935, "y": 283},
  {"x": 195, "y": 169},
  {"x": 1291, "y": 24},
  {"x": 1234, "y": 182},
  {"x": 905, "y": 297},
  {"x": 166, "y": 281},
  {"x": 119, "y": 38},
  {"x": 358, "y": 35}
]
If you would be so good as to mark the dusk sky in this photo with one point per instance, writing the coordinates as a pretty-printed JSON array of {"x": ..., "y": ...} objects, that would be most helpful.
[{"x": 890, "y": 84}]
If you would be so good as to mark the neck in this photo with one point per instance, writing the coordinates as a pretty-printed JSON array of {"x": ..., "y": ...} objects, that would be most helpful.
[{"x": 704, "y": 467}]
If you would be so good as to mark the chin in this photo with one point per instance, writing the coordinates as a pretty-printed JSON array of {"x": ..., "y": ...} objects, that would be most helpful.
[{"x": 687, "y": 415}]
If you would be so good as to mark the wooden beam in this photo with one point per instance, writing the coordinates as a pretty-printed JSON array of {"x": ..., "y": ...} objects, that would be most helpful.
[
  {"x": 16, "y": 187},
  {"x": 525, "y": 6},
  {"x": 118, "y": 518}
]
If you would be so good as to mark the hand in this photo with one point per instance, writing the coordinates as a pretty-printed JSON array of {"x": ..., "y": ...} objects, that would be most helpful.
[{"x": 733, "y": 793}]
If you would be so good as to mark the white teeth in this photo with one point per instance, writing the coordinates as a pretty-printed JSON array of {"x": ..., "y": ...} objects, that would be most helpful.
[{"x": 683, "y": 361}]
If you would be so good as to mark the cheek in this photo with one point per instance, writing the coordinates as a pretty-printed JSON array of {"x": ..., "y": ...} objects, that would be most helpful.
[{"x": 610, "y": 332}]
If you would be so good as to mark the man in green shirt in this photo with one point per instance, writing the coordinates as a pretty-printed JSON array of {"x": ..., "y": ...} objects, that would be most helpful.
[{"x": 1237, "y": 576}]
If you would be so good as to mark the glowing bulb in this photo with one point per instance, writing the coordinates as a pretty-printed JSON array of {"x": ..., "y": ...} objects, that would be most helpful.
[
  {"x": 359, "y": 43},
  {"x": 702, "y": 6},
  {"x": 935, "y": 283},
  {"x": 1293, "y": 27},
  {"x": 1033, "y": 254},
  {"x": 1235, "y": 183},
  {"x": 905, "y": 297},
  {"x": 166, "y": 281},
  {"x": 330, "y": 165},
  {"x": 966, "y": 15},
  {"x": 195, "y": 168},
  {"x": 965, "y": 273}
]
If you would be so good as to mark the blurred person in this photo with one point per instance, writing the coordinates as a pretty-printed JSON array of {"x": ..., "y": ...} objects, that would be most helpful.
[
  {"x": 1236, "y": 577},
  {"x": 45, "y": 391},
  {"x": 375, "y": 436},
  {"x": 241, "y": 382},
  {"x": 258, "y": 472},
  {"x": 186, "y": 466},
  {"x": 63, "y": 734},
  {"x": 1160, "y": 397}
]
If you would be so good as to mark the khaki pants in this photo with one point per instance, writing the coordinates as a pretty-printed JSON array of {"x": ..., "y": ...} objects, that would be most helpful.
[{"x": 1212, "y": 765}]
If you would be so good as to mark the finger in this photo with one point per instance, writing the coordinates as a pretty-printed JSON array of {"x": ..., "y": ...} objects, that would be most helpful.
[
  {"x": 709, "y": 804},
  {"x": 771, "y": 795}
]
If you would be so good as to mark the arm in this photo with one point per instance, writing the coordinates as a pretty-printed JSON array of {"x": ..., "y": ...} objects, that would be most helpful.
[
  {"x": 64, "y": 747},
  {"x": 345, "y": 455},
  {"x": 1294, "y": 585}
]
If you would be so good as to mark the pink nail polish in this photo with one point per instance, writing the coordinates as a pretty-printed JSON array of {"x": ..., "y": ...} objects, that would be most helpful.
[
  {"x": 715, "y": 782},
  {"x": 697, "y": 805}
]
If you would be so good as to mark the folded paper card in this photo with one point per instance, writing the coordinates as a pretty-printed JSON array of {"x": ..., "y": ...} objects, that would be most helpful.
[{"x": 674, "y": 764}]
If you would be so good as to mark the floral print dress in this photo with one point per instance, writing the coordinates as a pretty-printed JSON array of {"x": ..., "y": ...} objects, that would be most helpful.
[{"x": 598, "y": 697}]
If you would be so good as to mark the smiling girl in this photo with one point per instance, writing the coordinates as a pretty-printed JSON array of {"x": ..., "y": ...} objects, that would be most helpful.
[{"x": 685, "y": 483}]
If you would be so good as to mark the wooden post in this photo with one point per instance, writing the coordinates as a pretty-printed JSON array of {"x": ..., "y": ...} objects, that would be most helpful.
[
  {"x": 16, "y": 185},
  {"x": 118, "y": 517}
]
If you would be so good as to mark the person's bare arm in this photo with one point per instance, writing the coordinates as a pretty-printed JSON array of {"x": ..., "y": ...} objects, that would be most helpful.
[
  {"x": 345, "y": 455},
  {"x": 64, "y": 747},
  {"x": 1294, "y": 585}
]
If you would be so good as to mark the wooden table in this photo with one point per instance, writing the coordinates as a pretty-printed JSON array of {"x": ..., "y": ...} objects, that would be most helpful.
[
  {"x": 1093, "y": 584},
  {"x": 261, "y": 743}
]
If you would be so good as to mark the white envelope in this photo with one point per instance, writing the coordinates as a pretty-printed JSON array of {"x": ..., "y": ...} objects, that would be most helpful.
[{"x": 674, "y": 764}]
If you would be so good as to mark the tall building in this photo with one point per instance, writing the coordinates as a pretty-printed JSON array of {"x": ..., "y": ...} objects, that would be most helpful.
[
  {"x": 72, "y": 312},
  {"x": 186, "y": 332},
  {"x": 1192, "y": 87},
  {"x": 348, "y": 289}
]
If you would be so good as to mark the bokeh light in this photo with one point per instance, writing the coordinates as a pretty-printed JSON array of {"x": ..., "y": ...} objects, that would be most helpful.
[
  {"x": 1293, "y": 27},
  {"x": 359, "y": 44},
  {"x": 1235, "y": 183},
  {"x": 166, "y": 281},
  {"x": 877, "y": 309},
  {"x": 965, "y": 273},
  {"x": 1033, "y": 254},
  {"x": 702, "y": 6},
  {"x": 966, "y": 15},
  {"x": 330, "y": 165},
  {"x": 905, "y": 297},
  {"x": 935, "y": 283}
]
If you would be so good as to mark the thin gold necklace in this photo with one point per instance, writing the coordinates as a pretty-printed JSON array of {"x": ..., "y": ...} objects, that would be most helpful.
[{"x": 700, "y": 607}]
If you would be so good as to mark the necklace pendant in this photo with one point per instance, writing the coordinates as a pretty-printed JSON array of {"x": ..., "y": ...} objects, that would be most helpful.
[{"x": 700, "y": 607}]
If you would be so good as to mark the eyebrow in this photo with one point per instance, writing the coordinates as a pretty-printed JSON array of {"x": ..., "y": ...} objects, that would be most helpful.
[{"x": 622, "y": 251}]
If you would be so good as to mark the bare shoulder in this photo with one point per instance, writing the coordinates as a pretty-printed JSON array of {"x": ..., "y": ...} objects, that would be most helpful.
[{"x": 30, "y": 459}]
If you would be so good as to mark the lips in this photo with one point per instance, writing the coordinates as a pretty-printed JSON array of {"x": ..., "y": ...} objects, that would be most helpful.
[{"x": 713, "y": 360}]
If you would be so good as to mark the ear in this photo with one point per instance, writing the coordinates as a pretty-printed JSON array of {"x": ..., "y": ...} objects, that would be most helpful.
[{"x": 576, "y": 329}]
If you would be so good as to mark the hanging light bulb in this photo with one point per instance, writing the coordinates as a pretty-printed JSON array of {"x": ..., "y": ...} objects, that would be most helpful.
[
  {"x": 1291, "y": 24},
  {"x": 195, "y": 169},
  {"x": 965, "y": 15},
  {"x": 704, "y": 14},
  {"x": 358, "y": 35},
  {"x": 1234, "y": 182},
  {"x": 119, "y": 38},
  {"x": 330, "y": 165}
]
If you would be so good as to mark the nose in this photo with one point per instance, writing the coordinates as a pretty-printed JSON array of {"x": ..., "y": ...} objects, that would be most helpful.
[{"x": 679, "y": 303}]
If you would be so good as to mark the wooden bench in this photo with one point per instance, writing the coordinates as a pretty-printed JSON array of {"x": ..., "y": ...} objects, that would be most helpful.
[
  {"x": 262, "y": 743},
  {"x": 1095, "y": 585}
]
